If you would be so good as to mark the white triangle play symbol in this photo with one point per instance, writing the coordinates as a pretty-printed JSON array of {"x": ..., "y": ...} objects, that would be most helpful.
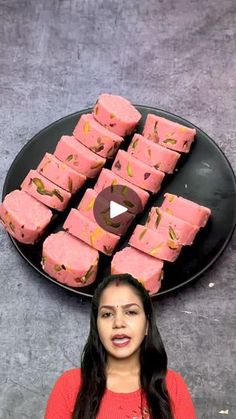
[{"x": 116, "y": 209}]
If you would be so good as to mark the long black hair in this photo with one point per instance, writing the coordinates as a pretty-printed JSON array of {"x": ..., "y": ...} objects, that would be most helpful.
[{"x": 153, "y": 360}]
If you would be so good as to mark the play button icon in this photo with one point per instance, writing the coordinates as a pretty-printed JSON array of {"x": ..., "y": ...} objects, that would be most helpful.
[{"x": 115, "y": 208}]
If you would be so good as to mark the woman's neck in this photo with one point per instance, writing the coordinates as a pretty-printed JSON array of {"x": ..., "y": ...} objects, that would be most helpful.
[{"x": 123, "y": 367}]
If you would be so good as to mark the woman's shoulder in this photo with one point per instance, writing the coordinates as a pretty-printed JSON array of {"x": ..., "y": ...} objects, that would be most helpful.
[
  {"x": 180, "y": 396},
  {"x": 71, "y": 376},
  {"x": 69, "y": 381},
  {"x": 174, "y": 381}
]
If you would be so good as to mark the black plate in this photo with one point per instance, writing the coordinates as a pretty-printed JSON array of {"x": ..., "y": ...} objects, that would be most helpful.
[{"x": 204, "y": 176}]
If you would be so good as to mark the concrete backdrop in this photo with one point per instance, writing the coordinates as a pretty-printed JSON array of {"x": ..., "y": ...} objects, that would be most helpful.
[{"x": 55, "y": 58}]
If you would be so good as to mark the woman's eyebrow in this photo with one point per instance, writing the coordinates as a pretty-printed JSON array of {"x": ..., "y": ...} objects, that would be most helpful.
[{"x": 124, "y": 306}]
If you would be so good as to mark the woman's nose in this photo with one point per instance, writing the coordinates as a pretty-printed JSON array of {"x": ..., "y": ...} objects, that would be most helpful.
[{"x": 118, "y": 320}]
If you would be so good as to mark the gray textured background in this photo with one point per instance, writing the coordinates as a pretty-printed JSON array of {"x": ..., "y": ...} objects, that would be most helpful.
[{"x": 55, "y": 58}]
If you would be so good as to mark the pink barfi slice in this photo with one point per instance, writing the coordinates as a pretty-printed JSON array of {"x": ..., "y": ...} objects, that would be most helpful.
[
  {"x": 24, "y": 217},
  {"x": 76, "y": 155},
  {"x": 108, "y": 178},
  {"x": 97, "y": 138},
  {"x": 146, "y": 269},
  {"x": 116, "y": 113},
  {"x": 45, "y": 191},
  {"x": 137, "y": 172},
  {"x": 90, "y": 232},
  {"x": 185, "y": 209},
  {"x": 69, "y": 260},
  {"x": 154, "y": 243},
  {"x": 183, "y": 231},
  {"x": 86, "y": 207},
  {"x": 153, "y": 154},
  {"x": 60, "y": 173},
  {"x": 168, "y": 133}
]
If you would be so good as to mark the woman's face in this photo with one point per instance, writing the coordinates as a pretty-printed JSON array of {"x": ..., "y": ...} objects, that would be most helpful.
[{"x": 121, "y": 321}]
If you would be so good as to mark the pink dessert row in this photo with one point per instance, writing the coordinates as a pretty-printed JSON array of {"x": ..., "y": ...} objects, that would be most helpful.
[
  {"x": 139, "y": 168},
  {"x": 24, "y": 217},
  {"x": 60, "y": 173},
  {"x": 160, "y": 239},
  {"x": 89, "y": 133},
  {"x": 108, "y": 178},
  {"x": 137, "y": 172},
  {"x": 170, "y": 227},
  {"x": 69, "y": 260},
  {"x": 185, "y": 209},
  {"x": 97, "y": 138},
  {"x": 153, "y": 154},
  {"x": 45, "y": 191},
  {"x": 86, "y": 207},
  {"x": 116, "y": 114},
  {"x": 145, "y": 268},
  {"x": 183, "y": 231},
  {"x": 90, "y": 232},
  {"x": 168, "y": 133},
  {"x": 56, "y": 178}
]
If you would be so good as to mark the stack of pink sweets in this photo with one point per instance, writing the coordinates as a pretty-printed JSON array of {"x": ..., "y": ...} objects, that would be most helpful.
[
  {"x": 71, "y": 256},
  {"x": 26, "y": 213},
  {"x": 168, "y": 228}
]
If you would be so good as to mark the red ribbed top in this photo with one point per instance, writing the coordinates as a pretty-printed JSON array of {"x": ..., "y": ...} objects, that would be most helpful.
[{"x": 117, "y": 405}]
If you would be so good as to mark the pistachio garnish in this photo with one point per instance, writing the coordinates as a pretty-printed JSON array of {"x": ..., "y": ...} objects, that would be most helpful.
[
  {"x": 70, "y": 157},
  {"x": 89, "y": 273},
  {"x": 107, "y": 249},
  {"x": 172, "y": 245},
  {"x": 155, "y": 127},
  {"x": 158, "y": 219},
  {"x": 97, "y": 148},
  {"x": 129, "y": 170},
  {"x": 172, "y": 233},
  {"x": 86, "y": 127},
  {"x": 38, "y": 182},
  {"x": 57, "y": 193},
  {"x": 109, "y": 222},
  {"x": 124, "y": 190},
  {"x": 170, "y": 141},
  {"x": 142, "y": 233},
  {"x": 110, "y": 152},
  {"x": 70, "y": 184},
  {"x": 135, "y": 143},
  {"x": 128, "y": 203},
  {"x": 91, "y": 237},
  {"x": 90, "y": 205},
  {"x": 156, "y": 249},
  {"x": 97, "y": 165},
  {"x": 114, "y": 182}
]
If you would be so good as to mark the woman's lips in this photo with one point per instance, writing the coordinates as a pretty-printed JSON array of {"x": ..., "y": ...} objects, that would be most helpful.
[{"x": 121, "y": 342}]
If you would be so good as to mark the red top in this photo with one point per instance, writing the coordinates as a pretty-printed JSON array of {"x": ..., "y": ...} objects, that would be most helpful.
[{"x": 117, "y": 405}]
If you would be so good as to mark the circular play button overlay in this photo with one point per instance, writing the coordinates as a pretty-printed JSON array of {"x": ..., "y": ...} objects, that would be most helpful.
[{"x": 115, "y": 208}]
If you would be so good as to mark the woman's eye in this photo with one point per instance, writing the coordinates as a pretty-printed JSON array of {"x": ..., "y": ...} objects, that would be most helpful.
[
  {"x": 132, "y": 312},
  {"x": 106, "y": 315}
]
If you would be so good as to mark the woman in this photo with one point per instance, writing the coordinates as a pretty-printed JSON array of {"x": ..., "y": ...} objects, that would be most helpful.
[{"x": 124, "y": 364}]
